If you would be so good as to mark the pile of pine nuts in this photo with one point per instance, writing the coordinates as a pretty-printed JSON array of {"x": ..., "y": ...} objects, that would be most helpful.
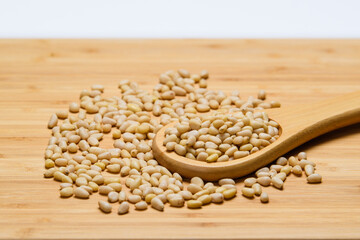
[
  {"x": 222, "y": 136},
  {"x": 75, "y": 158}
]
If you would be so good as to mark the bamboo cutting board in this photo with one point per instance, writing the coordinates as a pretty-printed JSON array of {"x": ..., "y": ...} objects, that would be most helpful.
[{"x": 38, "y": 77}]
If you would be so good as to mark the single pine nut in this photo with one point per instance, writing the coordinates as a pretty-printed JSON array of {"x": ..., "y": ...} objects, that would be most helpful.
[
  {"x": 264, "y": 181},
  {"x": 293, "y": 161},
  {"x": 105, "y": 206},
  {"x": 281, "y": 161},
  {"x": 116, "y": 186},
  {"x": 286, "y": 169},
  {"x": 302, "y": 155},
  {"x": 261, "y": 95},
  {"x": 142, "y": 205},
  {"x": 134, "y": 199},
  {"x": 277, "y": 182},
  {"x": 226, "y": 181},
  {"x": 277, "y": 168},
  {"x": 281, "y": 175},
  {"x": 123, "y": 208},
  {"x": 205, "y": 199},
  {"x": 249, "y": 182},
  {"x": 194, "y": 204},
  {"x": 122, "y": 196},
  {"x": 264, "y": 197},
  {"x": 176, "y": 201},
  {"x": 157, "y": 204},
  {"x": 217, "y": 197},
  {"x": 105, "y": 190},
  {"x": 297, "y": 170},
  {"x": 314, "y": 178},
  {"x": 194, "y": 188},
  {"x": 53, "y": 121},
  {"x": 309, "y": 169},
  {"x": 66, "y": 192},
  {"x": 62, "y": 114},
  {"x": 64, "y": 185},
  {"x": 304, "y": 162},
  {"x": 229, "y": 193},
  {"x": 187, "y": 195},
  {"x": 198, "y": 181},
  {"x": 248, "y": 192},
  {"x": 113, "y": 197},
  {"x": 80, "y": 192},
  {"x": 74, "y": 107},
  {"x": 257, "y": 189}
]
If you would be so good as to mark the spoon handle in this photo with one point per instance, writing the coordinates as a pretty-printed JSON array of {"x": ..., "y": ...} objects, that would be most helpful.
[
  {"x": 301, "y": 123},
  {"x": 311, "y": 120}
]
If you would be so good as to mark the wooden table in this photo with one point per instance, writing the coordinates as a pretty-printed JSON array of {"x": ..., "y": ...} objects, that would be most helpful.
[{"x": 38, "y": 77}]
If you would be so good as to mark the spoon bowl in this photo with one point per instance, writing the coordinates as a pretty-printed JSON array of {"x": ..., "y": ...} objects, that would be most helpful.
[{"x": 299, "y": 124}]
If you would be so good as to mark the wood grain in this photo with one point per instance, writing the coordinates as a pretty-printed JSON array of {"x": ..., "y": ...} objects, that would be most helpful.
[{"x": 39, "y": 76}]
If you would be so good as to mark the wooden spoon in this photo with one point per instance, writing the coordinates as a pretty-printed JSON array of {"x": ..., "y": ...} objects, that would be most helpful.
[{"x": 298, "y": 124}]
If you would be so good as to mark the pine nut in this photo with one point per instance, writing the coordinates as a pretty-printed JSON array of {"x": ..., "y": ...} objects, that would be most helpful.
[
  {"x": 113, "y": 197},
  {"x": 157, "y": 204},
  {"x": 286, "y": 169},
  {"x": 105, "y": 206},
  {"x": 198, "y": 181},
  {"x": 302, "y": 155},
  {"x": 314, "y": 178},
  {"x": 134, "y": 198},
  {"x": 257, "y": 189},
  {"x": 229, "y": 193},
  {"x": 53, "y": 121},
  {"x": 123, "y": 208},
  {"x": 281, "y": 175},
  {"x": 192, "y": 204},
  {"x": 293, "y": 161},
  {"x": 176, "y": 201},
  {"x": 62, "y": 114},
  {"x": 142, "y": 205},
  {"x": 248, "y": 192},
  {"x": 277, "y": 182},
  {"x": 304, "y": 162},
  {"x": 217, "y": 197},
  {"x": 264, "y": 197},
  {"x": 105, "y": 190},
  {"x": 309, "y": 169},
  {"x": 66, "y": 192},
  {"x": 264, "y": 181},
  {"x": 205, "y": 199},
  {"x": 249, "y": 182},
  {"x": 194, "y": 188},
  {"x": 297, "y": 170},
  {"x": 81, "y": 193},
  {"x": 122, "y": 196},
  {"x": 226, "y": 181},
  {"x": 74, "y": 107},
  {"x": 281, "y": 161}
]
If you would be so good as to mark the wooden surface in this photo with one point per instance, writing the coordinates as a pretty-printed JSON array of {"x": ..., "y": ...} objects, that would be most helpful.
[
  {"x": 38, "y": 77},
  {"x": 299, "y": 124}
]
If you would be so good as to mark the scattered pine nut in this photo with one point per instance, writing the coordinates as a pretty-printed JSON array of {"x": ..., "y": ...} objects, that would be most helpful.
[
  {"x": 264, "y": 198},
  {"x": 66, "y": 192},
  {"x": 194, "y": 204},
  {"x": 105, "y": 206},
  {"x": 314, "y": 178},
  {"x": 123, "y": 208}
]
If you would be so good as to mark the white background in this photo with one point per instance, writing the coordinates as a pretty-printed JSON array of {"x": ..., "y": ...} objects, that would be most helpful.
[{"x": 179, "y": 19}]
